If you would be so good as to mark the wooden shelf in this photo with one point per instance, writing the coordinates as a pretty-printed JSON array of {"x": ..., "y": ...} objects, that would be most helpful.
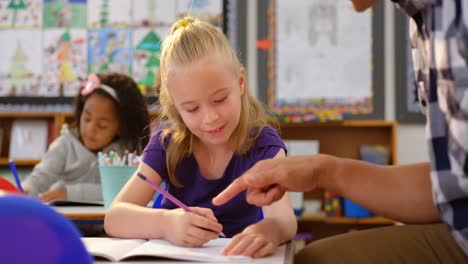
[
  {"x": 28, "y": 114},
  {"x": 377, "y": 220},
  {"x": 343, "y": 139},
  {"x": 4, "y": 161}
]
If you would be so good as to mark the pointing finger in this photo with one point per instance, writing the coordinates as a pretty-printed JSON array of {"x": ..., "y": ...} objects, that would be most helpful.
[{"x": 232, "y": 190}]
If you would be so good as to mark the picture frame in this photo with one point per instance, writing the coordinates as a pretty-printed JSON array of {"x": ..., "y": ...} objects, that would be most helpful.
[{"x": 266, "y": 71}]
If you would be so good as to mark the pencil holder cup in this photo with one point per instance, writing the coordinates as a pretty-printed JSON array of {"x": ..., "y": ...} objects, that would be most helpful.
[{"x": 113, "y": 178}]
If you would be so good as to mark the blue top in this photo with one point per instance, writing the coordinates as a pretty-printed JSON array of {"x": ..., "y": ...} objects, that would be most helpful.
[
  {"x": 198, "y": 191},
  {"x": 439, "y": 48}
]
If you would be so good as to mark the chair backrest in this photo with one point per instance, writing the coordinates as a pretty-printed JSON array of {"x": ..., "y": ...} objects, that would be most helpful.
[
  {"x": 33, "y": 232},
  {"x": 7, "y": 186}
]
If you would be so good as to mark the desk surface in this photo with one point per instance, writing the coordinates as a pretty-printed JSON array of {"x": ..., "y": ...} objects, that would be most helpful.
[
  {"x": 82, "y": 212},
  {"x": 284, "y": 255}
]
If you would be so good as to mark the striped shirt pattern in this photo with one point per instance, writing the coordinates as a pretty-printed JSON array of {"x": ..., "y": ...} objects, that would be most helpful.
[{"x": 439, "y": 39}]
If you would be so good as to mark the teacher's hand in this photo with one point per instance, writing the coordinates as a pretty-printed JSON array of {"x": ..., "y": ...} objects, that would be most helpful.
[{"x": 268, "y": 180}]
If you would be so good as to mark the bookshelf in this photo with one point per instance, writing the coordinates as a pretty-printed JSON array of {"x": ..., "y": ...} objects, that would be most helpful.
[{"x": 342, "y": 139}]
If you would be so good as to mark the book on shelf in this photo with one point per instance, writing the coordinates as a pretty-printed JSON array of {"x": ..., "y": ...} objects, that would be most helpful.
[
  {"x": 376, "y": 154},
  {"x": 28, "y": 139},
  {"x": 332, "y": 204},
  {"x": 116, "y": 249}
]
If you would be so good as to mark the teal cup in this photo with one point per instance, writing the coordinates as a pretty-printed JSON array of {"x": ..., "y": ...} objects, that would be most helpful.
[{"x": 113, "y": 178}]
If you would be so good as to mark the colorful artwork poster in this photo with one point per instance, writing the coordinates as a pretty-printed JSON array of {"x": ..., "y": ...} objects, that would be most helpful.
[
  {"x": 109, "y": 14},
  {"x": 322, "y": 29},
  {"x": 20, "y": 13},
  {"x": 64, "y": 62},
  {"x": 109, "y": 50},
  {"x": 207, "y": 10},
  {"x": 146, "y": 56},
  {"x": 65, "y": 13},
  {"x": 150, "y": 13},
  {"x": 20, "y": 70}
]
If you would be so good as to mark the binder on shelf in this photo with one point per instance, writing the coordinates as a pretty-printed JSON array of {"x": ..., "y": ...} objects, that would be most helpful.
[
  {"x": 28, "y": 139},
  {"x": 377, "y": 154}
]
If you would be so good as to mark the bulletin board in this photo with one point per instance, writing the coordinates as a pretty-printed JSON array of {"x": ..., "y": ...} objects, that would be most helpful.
[
  {"x": 50, "y": 46},
  {"x": 320, "y": 60},
  {"x": 407, "y": 104}
]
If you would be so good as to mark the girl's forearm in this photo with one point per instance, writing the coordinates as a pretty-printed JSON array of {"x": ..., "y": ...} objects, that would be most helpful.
[{"x": 127, "y": 220}]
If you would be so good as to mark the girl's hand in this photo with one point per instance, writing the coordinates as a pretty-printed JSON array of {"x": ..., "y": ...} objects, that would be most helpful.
[
  {"x": 53, "y": 195},
  {"x": 249, "y": 244},
  {"x": 192, "y": 229}
]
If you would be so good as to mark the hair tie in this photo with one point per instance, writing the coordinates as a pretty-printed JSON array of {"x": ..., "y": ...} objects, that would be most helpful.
[
  {"x": 182, "y": 23},
  {"x": 94, "y": 83}
]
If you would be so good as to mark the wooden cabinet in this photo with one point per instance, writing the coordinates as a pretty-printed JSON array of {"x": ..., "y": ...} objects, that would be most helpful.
[
  {"x": 342, "y": 139},
  {"x": 55, "y": 121}
]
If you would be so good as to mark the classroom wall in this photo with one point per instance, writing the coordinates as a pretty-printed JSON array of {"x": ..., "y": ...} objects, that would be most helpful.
[
  {"x": 411, "y": 143},
  {"x": 412, "y": 146}
]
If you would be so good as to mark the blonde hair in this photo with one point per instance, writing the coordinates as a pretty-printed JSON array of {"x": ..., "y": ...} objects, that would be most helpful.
[{"x": 190, "y": 40}]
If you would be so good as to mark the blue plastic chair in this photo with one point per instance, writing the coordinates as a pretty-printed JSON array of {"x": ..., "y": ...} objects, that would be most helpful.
[{"x": 32, "y": 232}]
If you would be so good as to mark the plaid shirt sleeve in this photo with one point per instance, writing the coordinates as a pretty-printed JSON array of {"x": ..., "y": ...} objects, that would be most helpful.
[{"x": 439, "y": 39}]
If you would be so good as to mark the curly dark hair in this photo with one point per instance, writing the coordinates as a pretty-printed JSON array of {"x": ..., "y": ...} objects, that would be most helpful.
[{"x": 131, "y": 107}]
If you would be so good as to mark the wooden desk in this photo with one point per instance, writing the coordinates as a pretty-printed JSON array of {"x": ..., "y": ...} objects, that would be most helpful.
[
  {"x": 82, "y": 212},
  {"x": 284, "y": 255}
]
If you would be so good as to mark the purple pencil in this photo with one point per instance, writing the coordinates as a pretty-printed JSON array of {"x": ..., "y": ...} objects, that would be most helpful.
[{"x": 168, "y": 196}]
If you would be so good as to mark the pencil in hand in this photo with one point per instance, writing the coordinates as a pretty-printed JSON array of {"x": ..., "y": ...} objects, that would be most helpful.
[{"x": 169, "y": 196}]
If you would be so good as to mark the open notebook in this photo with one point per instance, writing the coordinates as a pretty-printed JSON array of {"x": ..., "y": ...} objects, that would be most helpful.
[{"x": 116, "y": 249}]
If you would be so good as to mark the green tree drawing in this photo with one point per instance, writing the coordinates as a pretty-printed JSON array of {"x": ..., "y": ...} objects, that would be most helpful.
[
  {"x": 59, "y": 7},
  {"x": 104, "y": 13},
  {"x": 151, "y": 43},
  {"x": 16, "y": 6},
  {"x": 19, "y": 74}
]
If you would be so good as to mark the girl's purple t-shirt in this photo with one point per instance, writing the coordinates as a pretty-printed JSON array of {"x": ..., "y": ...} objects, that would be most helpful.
[{"x": 235, "y": 215}]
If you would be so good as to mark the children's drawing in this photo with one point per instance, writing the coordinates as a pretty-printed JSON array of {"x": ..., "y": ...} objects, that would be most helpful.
[
  {"x": 109, "y": 50},
  {"x": 323, "y": 23},
  {"x": 20, "y": 13},
  {"x": 65, "y": 13},
  {"x": 149, "y": 13},
  {"x": 109, "y": 14},
  {"x": 147, "y": 52},
  {"x": 20, "y": 70},
  {"x": 207, "y": 10},
  {"x": 64, "y": 61}
]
